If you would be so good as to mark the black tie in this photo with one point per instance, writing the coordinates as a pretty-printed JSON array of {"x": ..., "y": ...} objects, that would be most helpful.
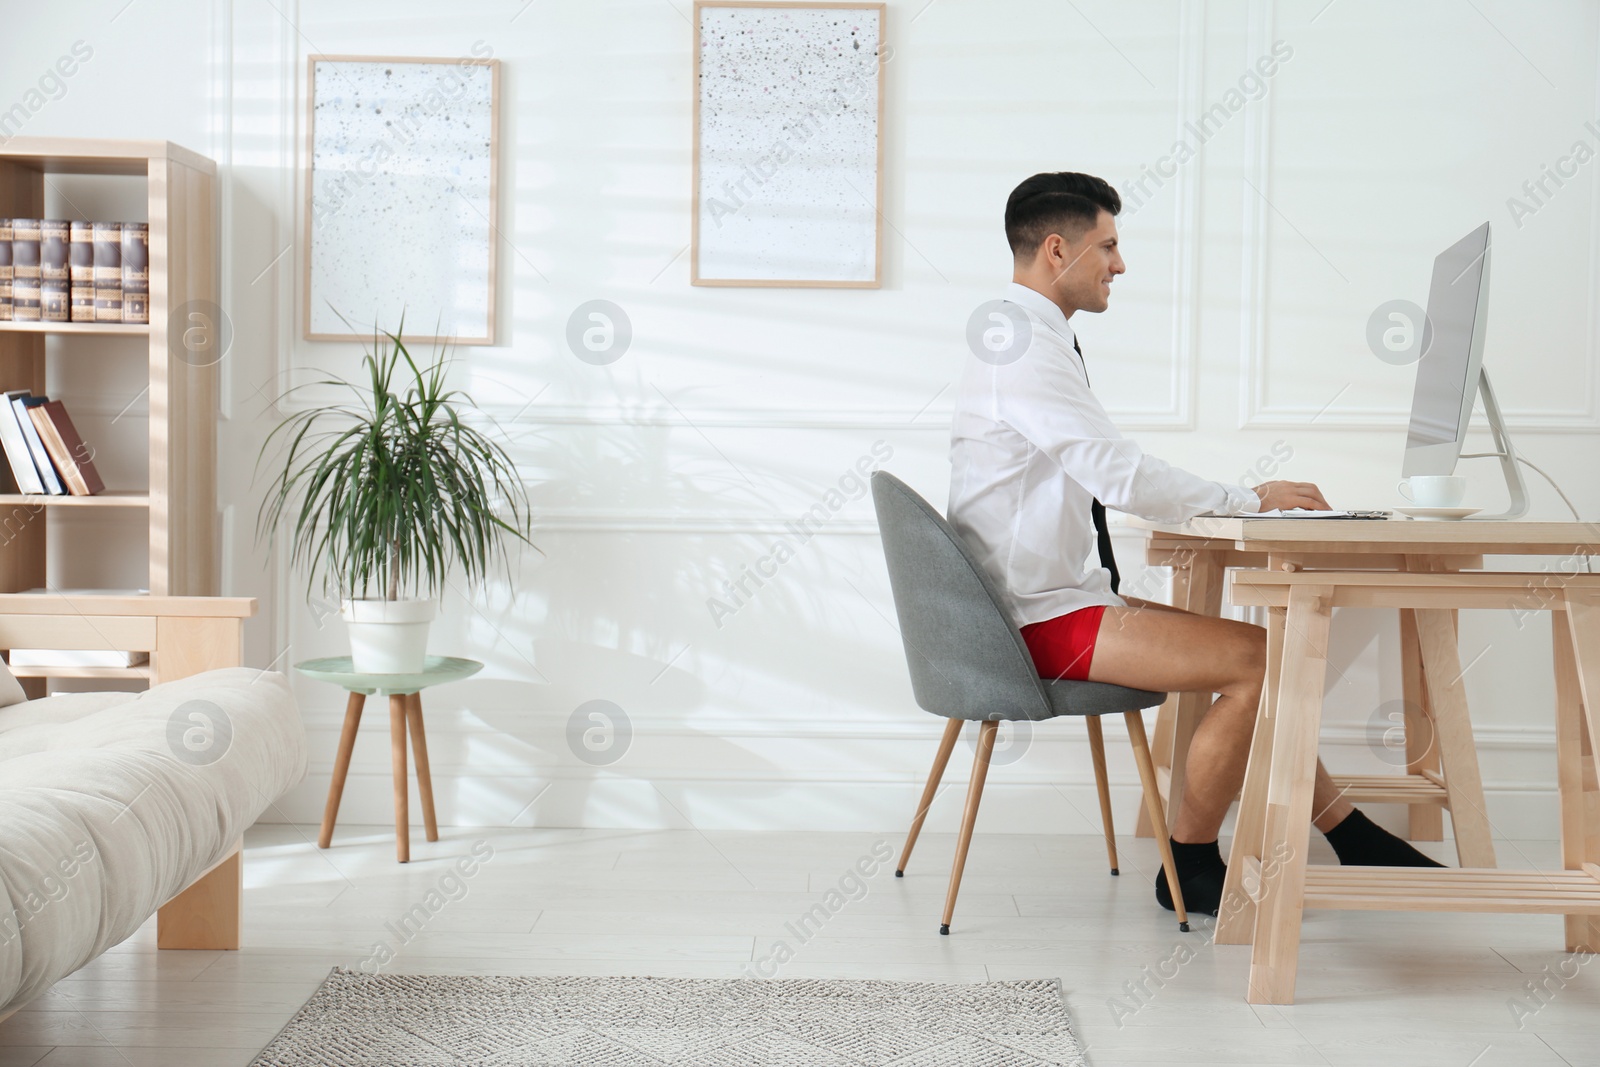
[{"x": 1108, "y": 558}]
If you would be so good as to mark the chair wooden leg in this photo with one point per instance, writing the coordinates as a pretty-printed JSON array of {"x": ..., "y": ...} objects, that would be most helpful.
[
  {"x": 402, "y": 787},
  {"x": 1097, "y": 753},
  {"x": 1161, "y": 753},
  {"x": 1152, "y": 805},
  {"x": 419, "y": 749},
  {"x": 1275, "y": 948},
  {"x": 941, "y": 759},
  {"x": 341, "y": 766},
  {"x": 980, "y": 771},
  {"x": 1458, "y": 752}
]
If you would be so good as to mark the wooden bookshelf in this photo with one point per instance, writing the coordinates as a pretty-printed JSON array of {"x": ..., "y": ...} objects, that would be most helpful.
[
  {"x": 111, "y": 498},
  {"x": 74, "y": 327},
  {"x": 181, "y": 498},
  {"x": 141, "y": 672}
]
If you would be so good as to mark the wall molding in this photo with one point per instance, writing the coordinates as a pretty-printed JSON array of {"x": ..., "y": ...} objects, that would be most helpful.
[
  {"x": 221, "y": 150},
  {"x": 1257, "y": 412},
  {"x": 936, "y": 420},
  {"x": 1183, "y": 365},
  {"x": 917, "y": 727},
  {"x": 381, "y": 779},
  {"x": 731, "y": 417},
  {"x": 1253, "y": 226},
  {"x": 672, "y": 522},
  {"x": 1187, "y": 221}
]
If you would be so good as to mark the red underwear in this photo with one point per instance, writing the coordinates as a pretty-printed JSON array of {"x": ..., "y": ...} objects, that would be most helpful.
[{"x": 1063, "y": 647}]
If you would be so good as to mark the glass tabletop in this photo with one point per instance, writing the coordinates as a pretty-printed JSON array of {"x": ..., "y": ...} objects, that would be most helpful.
[{"x": 340, "y": 670}]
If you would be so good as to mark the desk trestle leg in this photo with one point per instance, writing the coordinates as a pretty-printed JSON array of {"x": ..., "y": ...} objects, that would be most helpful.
[
  {"x": 1447, "y": 697},
  {"x": 1422, "y": 744},
  {"x": 1237, "y": 915},
  {"x": 1275, "y": 951},
  {"x": 1576, "y": 639}
]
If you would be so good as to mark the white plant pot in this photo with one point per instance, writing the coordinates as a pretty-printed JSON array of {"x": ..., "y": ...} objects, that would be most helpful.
[{"x": 389, "y": 636}]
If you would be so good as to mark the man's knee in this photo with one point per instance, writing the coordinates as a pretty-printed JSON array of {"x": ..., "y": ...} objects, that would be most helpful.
[
  {"x": 1249, "y": 661},
  {"x": 1255, "y": 654}
]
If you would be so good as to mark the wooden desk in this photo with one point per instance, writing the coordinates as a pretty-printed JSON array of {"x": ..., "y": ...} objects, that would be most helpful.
[
  {"x": 1200, "y": 550},
  {"x": 1270, "y": 883}
]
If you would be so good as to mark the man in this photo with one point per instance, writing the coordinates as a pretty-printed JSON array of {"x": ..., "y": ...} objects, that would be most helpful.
[{"x": 1033, "y": 459}]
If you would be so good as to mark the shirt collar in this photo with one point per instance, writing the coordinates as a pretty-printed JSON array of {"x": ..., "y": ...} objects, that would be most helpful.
[{"x": 1042, "y": 306}]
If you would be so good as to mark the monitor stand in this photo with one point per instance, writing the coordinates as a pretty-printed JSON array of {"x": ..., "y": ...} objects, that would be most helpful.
[{"x": 1515, "y": 486}]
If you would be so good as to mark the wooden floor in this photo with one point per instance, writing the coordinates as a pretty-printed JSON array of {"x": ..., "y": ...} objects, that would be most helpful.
[{"x": 1374, "y": 989}]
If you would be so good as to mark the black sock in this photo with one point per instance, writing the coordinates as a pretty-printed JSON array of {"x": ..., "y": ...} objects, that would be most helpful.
[
  {"x": 1360, "y": 842},
  {"x": 1200, "y": 876}
]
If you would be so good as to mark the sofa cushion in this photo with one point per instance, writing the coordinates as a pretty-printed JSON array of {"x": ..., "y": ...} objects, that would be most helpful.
[{"x": 112, "y": 803}]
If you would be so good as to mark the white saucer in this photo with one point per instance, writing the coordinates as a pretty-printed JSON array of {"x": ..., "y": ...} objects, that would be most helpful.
[{"x": 1438, "y": 514}]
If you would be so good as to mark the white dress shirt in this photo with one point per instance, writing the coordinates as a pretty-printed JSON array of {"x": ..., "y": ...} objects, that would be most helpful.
[{"x": 1031, "y": 449}]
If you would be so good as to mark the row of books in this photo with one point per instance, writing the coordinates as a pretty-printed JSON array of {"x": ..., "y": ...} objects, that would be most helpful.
[
  {"x": 43, "y": 448},
  {"x": 61, "y": 270}
]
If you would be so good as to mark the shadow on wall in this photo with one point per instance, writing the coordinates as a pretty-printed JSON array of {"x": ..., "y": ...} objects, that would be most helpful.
[{"x": 619, "y": 611}]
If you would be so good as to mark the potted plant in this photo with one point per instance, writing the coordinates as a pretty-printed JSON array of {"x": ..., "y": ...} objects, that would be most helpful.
[{"x": 382, "y": 495}]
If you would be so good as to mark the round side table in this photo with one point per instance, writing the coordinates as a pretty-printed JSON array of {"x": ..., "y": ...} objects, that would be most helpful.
[{"x": 405, "y": 705}]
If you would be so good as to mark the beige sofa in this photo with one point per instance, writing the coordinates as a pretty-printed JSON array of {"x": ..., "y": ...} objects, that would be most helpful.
[{"x": 115, "y": 806}]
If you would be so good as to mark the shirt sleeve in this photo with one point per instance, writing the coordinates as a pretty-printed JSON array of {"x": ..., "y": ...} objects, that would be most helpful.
[{"x": 1045, "y": 397}]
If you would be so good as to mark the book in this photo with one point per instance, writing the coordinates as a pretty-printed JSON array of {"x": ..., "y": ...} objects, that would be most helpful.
[
  {"x": 76, "y": 657},
  {"x": 25, "y": 270},
  {"x": 5, "y": 270},
  {"x": 18, "y": 457},
  {"x": 55, "y": 286},
  {"x": 135, "y": 272},
  {"x": 30, "y": 433},
  {"x": 80, "y": 257},
  {"x": 73, "y": 459},
  {"x": 108, "y": 272}
]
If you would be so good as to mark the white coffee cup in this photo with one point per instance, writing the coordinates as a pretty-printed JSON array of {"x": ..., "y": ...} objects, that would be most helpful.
[{"x": 1434, "y": 490}]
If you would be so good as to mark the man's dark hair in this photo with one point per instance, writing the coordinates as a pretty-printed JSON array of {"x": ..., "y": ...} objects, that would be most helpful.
[{"x": 1064, "y": 202}]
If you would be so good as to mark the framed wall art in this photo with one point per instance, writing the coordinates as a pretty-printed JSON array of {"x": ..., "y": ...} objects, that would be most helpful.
[
  {"x": 402, "y": 156},
  {"x": 788, "y": 144}
]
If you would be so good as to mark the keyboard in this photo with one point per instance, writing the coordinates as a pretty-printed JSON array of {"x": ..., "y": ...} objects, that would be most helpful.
[{"x": 1300, "y": 513}]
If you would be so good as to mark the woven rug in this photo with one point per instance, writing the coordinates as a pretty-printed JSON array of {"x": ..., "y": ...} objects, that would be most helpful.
[{"x": 426, "y": 1020}]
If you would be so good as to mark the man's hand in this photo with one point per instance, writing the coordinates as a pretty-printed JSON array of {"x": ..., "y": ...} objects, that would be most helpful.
[{"x": 1282, "y": 496}]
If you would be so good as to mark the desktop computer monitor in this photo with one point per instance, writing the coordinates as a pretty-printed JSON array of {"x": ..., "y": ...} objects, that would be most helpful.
[
  {"x": 1452, "y": 356},
  {"x": 1450, "y": 373}
]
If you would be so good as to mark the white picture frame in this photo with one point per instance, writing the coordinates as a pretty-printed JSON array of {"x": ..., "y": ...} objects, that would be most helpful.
[
  {"x": 401, "y": 176},
  {"x": 788, "y": 156}
]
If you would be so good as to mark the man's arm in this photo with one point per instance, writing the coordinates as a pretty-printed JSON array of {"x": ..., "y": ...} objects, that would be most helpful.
[{"x": 1045, "y": 397}]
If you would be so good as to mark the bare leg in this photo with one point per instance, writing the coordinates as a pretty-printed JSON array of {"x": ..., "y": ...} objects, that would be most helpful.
[
  {"x": 1328, "y": 805},
  {"x": 1154, "y": 646}
]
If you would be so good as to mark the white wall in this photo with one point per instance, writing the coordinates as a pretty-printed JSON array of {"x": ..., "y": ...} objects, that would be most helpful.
[{"x": 1387, "y": 134}]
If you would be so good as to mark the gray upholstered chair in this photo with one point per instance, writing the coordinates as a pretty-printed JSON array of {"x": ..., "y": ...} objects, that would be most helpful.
[{"x": 968, "y": 662}]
